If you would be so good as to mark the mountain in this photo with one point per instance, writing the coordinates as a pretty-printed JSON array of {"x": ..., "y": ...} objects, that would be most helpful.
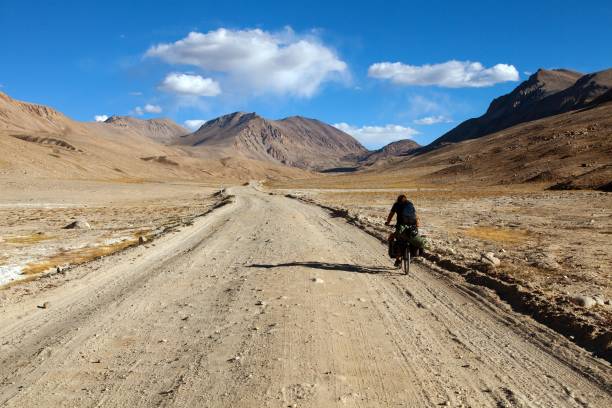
[
  {"x": 545, "y": 93},
  {"x": 39, "y": 141},
  {"x": 16, "y": 115},
  {"x": 567, "y": 151},
  {"x": 162, "y": 130},
  {"x": 393, "y": 149},
  {"x": 606, "y": 97},
  {"x": 294, "y": 141}
]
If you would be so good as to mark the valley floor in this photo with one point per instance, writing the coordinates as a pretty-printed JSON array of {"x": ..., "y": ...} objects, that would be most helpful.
[
  {"x": 556, "y": 242},
  {"x": 34, "y": 214},
  {"x": 272, "y": 302}
]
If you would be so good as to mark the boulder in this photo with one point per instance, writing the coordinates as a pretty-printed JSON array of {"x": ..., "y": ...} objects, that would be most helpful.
[
  {"x": 490, "y": 259},
  {"x": 78, "y": 224},
  {"x": 600, "y": 300},
  {"x": 584, "y": 301}
]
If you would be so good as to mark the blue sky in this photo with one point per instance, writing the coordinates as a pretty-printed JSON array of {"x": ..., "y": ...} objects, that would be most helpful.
[{"x": 380, "y": 71}]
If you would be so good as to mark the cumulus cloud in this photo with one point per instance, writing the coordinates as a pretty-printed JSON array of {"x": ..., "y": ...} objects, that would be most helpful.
[
  {"x": 432, "y": 120},
  {"x": 194, "y": 124},
  {"x": 451, "y": 74},
  {"x": 100, "y": 118},
  {"x": 377, "y": 136},
  {"x": 187, "y": 84},
  {"x": 152, "y": 108},
  {"x": 257, "y": 61},
  {"x": 148, "y": 108}
]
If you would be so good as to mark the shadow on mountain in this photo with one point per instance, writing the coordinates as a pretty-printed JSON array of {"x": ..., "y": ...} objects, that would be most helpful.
[
  {"x": 328, "y": 266},
  {"x": 340, "y": 170}
]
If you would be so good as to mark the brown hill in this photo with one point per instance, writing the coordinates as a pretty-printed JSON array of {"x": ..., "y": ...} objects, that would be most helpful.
[
  {"x": 573, "y": 149},
  {"x": 38, "y": 141},
  {"x": 294, "y": 141},
  {"x": 393, "y": 149},
  {"x": 16, "y": 115},
  {"x": 545, "y": 93},
  {"x": 162, "y": 130}
]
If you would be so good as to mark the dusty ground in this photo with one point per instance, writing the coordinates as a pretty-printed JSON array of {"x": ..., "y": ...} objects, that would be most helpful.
[
  {"x": 555, "y": 240},
  {"x": 271, "y": 302},
  {"x": 554, "y": 243},
  {"x": 33, "y": 215}
]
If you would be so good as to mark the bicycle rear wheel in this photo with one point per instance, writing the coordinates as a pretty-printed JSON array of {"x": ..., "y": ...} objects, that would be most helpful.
[{"x": 406, "y": 260}]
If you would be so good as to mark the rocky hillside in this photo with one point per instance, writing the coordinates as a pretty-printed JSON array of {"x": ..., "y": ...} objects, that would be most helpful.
[
  {"x": 161, "y": 130},
  {"x": 567, "y": 151},
  {"x": 294, "y": 141},
  {"x": 37, "y": 141},
  {"x": 393, "y": 149},
  {"x": 545, "y": 93},
  {"x": 16, "y": 115}
]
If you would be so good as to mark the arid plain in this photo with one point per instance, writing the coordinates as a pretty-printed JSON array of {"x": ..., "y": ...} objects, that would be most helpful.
[{"x": 244, "y": 263}]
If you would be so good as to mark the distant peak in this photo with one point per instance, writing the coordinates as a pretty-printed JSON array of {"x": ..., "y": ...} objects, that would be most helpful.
[
  {"x": 240, "y": 114},
  {"x": 542, "y": 74},
  {"x": 115, "y": 118},
  {"x": 232, "y": 119},
  {"x": 296, "y": 117}
]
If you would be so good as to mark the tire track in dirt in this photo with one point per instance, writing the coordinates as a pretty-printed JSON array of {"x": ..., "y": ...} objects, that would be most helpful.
[{"x": 270, "y": 302}]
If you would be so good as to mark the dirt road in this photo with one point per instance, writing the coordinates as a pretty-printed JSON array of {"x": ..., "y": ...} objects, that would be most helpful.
[{"x": 271, "y": 302}]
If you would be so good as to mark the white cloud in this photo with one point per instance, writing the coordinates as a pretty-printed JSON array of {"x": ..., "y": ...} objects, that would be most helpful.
[
  {"x": 377, "y": 136},
  {"x": 451, "y": 74},
  {"x": 194, "y": 124},
  {"x": 136, "y": 93},
  {"x": 100, "y": 118},
  {"x": 148, "y": 108},
  {"x": 257, "y": 61},
  {"x": 152, "y": 108},
  {"x": 432, "y": 120},
  {"x": 186, "y": 84}
]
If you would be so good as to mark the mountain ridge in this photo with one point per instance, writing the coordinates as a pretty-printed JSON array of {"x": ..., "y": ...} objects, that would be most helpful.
[
  {"x": 294, "y": 141},
  {"x": 543, "y": 94},
  {"x": 39, "y": 141},
  {"x": 162, "y": 130}
]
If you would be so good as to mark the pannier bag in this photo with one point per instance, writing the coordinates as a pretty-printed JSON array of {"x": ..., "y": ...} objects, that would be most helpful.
[
  {"x": 418, "y": 241},
  {"x": 396, "y": 248},
  {"x": 410, "y": 234}
]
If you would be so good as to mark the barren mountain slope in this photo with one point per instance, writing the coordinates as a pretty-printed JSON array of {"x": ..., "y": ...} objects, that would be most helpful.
[
  {"x": 544, "y": 94},
  {"x": 38, "y": 141},
  {"x": 294, "y": 141},
  {"x": 162, "y": 130},
  {"x": 393, "y": 149},
  {"x": 549, "y": 150}
]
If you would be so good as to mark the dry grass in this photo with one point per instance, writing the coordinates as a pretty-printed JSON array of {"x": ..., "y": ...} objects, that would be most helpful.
[
  {"x": 28, "y": 239},
  {"x": 17, "y": 282},
  {"x": 370, "y": 197},
  {"x": 392, "y": 180},
  {"x": 129, "y": 180},
  {"x": 498, "y": 235},
  {"x": 77, "y": 256}
]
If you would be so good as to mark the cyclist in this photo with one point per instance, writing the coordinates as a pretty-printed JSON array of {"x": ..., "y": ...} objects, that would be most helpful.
[{"x": 406, "y": 218}]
